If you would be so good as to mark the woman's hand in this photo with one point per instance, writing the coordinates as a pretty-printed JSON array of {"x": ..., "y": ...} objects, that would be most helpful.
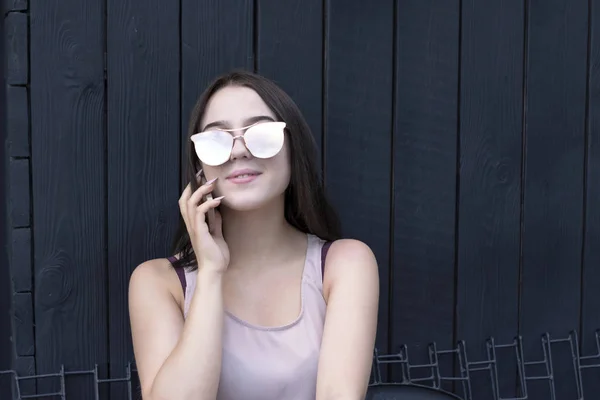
[{"x": 212, "y": 253}]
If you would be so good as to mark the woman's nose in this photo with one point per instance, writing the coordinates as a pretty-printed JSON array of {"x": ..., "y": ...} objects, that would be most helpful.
[{"x": 239, "y": 149}]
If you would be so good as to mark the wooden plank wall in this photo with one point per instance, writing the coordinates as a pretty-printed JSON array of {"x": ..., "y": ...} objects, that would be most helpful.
[
  {"x": 554, "y": 165},
  {"x": 458, "y": 138},
  {"x": 358, "y": 123},
  {"x": 18, "y": 160},
  {"x": 490, "y": 177},
  {"x": 6, "y": 347},
  {"x": 424, "y": 158},
  {"x": 590, "y": 275},
  {"x": 142, "y": 141}
]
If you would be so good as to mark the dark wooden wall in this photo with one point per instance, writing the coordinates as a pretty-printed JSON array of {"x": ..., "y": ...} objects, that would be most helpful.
[
  {"x": 6, "y": 350},
  {"x": 459, "y": 139}
]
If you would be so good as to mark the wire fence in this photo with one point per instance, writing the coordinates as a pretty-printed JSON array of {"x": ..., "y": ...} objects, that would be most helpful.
[
  {"x": 425, "y": 374},
  {"x": 463, "y": 381}
]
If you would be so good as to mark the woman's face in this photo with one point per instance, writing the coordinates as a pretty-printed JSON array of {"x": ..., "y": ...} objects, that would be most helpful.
[{"x": 235, "y": 107}]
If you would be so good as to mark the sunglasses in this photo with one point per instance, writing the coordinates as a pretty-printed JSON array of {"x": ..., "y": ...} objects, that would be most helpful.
[{"x": 262, "y": 139}]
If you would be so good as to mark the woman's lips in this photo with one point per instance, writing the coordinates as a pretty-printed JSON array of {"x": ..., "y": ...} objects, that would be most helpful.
[{"x": 243, "y": 176}]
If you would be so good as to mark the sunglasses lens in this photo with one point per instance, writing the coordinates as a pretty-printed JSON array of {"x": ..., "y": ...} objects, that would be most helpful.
[
  {"x": 265, "y": 140},
  {"x": 213, "y": 147}
]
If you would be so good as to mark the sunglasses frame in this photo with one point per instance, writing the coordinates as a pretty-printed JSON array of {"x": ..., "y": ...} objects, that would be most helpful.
[{"x": 241, "y": 136}]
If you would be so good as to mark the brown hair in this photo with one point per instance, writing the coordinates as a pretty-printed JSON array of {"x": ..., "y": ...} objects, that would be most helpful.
[{"x": 306, "y": 205}]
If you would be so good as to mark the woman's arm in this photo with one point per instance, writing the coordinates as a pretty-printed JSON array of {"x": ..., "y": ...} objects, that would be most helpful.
[
  {"x": 176, "y": 360},
  {"x": 351, "y": 289}
]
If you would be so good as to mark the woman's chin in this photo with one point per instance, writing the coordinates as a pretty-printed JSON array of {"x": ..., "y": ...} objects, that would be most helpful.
[{"x": 246, "y": 202}]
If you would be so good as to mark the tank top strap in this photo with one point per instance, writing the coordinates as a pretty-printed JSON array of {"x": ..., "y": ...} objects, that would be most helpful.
[{"x": 313, "y": 269}]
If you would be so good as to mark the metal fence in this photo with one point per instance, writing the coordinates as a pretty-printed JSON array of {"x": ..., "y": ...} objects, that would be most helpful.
[
  {"x": 463, "y": 381},
  {"x": 428, "y": 374},
  {"x": 130, "y": 373}
]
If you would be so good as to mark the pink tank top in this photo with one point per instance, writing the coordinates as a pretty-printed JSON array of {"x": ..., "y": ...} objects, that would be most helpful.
[{"x": 274, "y": 363}]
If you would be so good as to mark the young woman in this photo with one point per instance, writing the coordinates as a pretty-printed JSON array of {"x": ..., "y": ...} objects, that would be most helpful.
[{"x": 262, "y": 299}]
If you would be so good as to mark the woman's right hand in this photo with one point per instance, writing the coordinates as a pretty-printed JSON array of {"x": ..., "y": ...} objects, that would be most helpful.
[{"x": 212, "y": 253}]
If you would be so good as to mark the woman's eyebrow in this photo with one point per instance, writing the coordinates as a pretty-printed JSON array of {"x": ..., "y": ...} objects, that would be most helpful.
[
  {"x": 258, "y": 118},
  {"x": 214, "y": 124},
  {"x": 247, "y": 122}
]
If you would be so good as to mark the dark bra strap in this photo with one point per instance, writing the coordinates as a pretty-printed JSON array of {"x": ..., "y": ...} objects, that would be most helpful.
[
  {"x": 180, "y": 274},
  {"x": 324, "y": 251}
]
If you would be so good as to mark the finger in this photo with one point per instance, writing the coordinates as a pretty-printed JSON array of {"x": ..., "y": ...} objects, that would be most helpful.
[
  {"x": 185, "y": 195},
  {"x": 196, "y": 198},
  {"x": 183, "y": 203},
  {"x": 217, "y": 227},
  {"x": 201, "y": 191},
  {"x": 201, "y": 210},
  {"x": 187, "y": 192}
]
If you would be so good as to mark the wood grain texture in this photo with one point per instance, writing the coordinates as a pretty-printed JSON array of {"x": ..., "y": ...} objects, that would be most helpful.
[
  {"x": 216, "y": 37},
  {"x": 143, "y": 152},
  {"x": 6, "y": 346},
  {"x": 25, "y": 366},
  {"x": 358, "y": 130},
  {"x": 425, "y": 137},
  {"x": 17, "y": 57},
  {"x": 491, "y": 118},
  {"x": 19, "y": 193},
  {"x": 553, "y": 186},
  {"x": 17, "y": 121},
  {"x": 14, "y": 5},
  {"x": 590, "y": 322},
  {"x": 68, "y": 174},
  {"x": 20, "y": 260},
  {"x": 290, "y": 51},
  {"x": 23, "y": 324}
]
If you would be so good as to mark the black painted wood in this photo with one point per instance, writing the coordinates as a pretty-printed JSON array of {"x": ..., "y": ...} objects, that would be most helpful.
[
  {"x": 19, "y": 199},
  {"x": 290, "y": 52},
  {"x": 20, "y": 260},
  {"x": 17, "y": 56},
  {"x": 25, "y": 366},
  {"x": 69, "y": 185},
  {"x": 14, "y": 5},
  {"x": 488, "y": 243},
  {"x": 590, "y": 321},
  {"x": 17, "y": 118},
  {"x": 358, "y": 129},
  {"x": 553, "y": 181},
  {"x": 216, "y": 37},
  {"x": 6, "y": 346},
  {"x": 23, "y": 324},
  {"x": 143, "y": 152},
  {"x": 424, "y": 167}
]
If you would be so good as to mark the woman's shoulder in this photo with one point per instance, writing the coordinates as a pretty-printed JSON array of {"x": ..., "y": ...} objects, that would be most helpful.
[
  {"x": 343, "y": 251},
  {"x": 351, "y": 247},
  {"x": 349, "y": 262},
  {"x": 157, "y": 275}
]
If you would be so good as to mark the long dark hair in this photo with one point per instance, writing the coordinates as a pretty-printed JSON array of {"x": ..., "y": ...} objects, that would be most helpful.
[{"x": 306, "y": 205}]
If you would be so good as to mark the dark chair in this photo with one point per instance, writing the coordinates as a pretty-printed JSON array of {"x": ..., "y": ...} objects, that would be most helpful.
[{"x": 401, "y": 391}]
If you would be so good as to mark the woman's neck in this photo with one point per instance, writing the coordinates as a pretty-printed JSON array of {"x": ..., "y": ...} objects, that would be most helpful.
[{"x": 255, "y": 236}]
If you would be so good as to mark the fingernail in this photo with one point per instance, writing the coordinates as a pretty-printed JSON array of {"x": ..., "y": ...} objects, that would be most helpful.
[
  {"x": 199, "y": 173},
  {"x": 218, "y": 198},
  {"x": 211, "y": 181}
]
